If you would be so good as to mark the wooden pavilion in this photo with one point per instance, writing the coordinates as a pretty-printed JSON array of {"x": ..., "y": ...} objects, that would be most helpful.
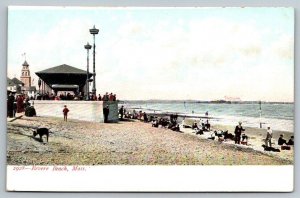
[{"x": 63, "y": 78}]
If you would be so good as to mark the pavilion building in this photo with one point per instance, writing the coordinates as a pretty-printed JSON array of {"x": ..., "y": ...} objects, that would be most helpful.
[
  {"x": 63, "y": 78},
  {"x": 66, "y": 78}
]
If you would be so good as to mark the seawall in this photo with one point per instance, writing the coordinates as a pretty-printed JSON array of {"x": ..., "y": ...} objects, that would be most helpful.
[{"x": 80, "y": 110}]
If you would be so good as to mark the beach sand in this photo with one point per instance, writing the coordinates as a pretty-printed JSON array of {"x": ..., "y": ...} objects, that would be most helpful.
[{"x": 127, "y": 143}]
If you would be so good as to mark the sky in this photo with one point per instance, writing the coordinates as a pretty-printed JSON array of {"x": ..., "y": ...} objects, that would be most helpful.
[{"x": 163, "y": 53}]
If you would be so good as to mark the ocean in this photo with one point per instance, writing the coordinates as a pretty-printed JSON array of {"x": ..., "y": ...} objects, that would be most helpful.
[{"x": 277, "y": 116}]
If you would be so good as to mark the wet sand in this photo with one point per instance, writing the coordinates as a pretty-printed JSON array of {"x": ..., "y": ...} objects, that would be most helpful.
[{"x": 127, "y": 143}]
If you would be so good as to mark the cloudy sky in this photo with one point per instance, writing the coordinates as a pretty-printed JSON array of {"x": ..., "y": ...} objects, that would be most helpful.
[{"x": 163, "y": 53}]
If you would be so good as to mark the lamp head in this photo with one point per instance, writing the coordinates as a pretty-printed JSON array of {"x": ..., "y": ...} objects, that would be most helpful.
[
  {"x": 94, "y": 30},
  {"x": 87, "y": 46}
]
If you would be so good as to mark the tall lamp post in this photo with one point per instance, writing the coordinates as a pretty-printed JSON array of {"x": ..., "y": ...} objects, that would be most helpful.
[
  {"x": 94, "y": 31},
  {"x": 87, "y": 47}
]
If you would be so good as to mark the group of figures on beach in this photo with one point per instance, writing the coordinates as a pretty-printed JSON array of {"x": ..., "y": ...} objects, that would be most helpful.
[
  {"x": 16, "y": 103},
  {"x": 285, "y": 145},
  {"x": 238, "y": 136},
  {"x": 170, "y": 123}
]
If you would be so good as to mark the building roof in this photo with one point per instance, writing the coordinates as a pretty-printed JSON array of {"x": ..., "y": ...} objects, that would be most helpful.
[
  {"x": 25, "y": 63},
  {"x": 64, "y": 75},
  {"x": 62, "y": 69},
  {"x": 16, "y": 81},
  {"x": 10, "y": 82}
]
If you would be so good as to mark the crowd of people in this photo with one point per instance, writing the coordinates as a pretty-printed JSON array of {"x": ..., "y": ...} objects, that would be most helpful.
[
  {"x": 16, "y": 103},
  {"x": 72, "y": 96},
  {"x": 238, "y": 136},
  {"x": 170, "y": 123}
]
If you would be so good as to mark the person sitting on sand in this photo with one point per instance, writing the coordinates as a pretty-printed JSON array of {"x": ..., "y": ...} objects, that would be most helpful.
[
  {"x": 291, "y": 141},
  {"x": 155, "y": 123},
  {"x": 218, "y": 133},
  {"x": 212, "y": 136},
  {"x": 268, "y": 140},
  {"x": 203, "y": 126},
  {"x": 197, "y": 130},
  {"x": 176, "y": 128},
  {"x": 140, "y": 115},
  {"x": 244, "y": 138},
  {"x": 195, "y": 126},
  {"x": 65, "y": 112},
  {"x": 281, "y": 141},
  {"x": 201, "y": 122},
  {"x": 238, "y": 131}
]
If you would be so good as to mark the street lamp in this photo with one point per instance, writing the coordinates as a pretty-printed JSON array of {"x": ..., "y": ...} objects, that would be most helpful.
[
  {"x": 94, "y": 31},
  {"x": 87, "y": 47}
]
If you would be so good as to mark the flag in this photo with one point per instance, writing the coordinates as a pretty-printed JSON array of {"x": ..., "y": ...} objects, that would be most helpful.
[{"x": 24, "y": 54}]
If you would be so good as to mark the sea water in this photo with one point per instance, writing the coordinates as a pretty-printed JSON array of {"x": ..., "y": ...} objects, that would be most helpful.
[{"x": 277, "y": 116}]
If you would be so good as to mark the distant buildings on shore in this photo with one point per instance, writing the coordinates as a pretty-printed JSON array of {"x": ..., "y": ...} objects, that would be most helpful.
[{"x": 232, "y": 99}]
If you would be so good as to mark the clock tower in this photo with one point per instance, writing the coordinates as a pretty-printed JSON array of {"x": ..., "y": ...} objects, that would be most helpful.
[{"x": 25, "y": 75}]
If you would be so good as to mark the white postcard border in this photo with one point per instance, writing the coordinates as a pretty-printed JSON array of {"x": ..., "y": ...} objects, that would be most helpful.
[{"x": 153, "y": 178}]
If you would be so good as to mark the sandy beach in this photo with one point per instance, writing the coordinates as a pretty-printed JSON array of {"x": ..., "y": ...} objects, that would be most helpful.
[{"x": 129, "y": 143}]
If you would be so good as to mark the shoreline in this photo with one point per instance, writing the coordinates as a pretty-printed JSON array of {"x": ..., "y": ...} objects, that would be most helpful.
[
  {"x": 127, "y": 142},
  {"x": 218, "y": 120}
]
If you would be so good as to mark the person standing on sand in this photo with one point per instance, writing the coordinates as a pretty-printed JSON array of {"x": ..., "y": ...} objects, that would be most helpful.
[
  {"x": 238, "y": 131},
  {"x": 145, "y": 117},
  {"x": 268, "y": 140},
  {"x": 10, "y": 105},
  {"x": 269, "y": 137},
  {"x": 20, "y": 104},
  {"x": 65, "y": 111},
  {"x": 121, "y": 112},
  {"x": 106, "y": 112}
]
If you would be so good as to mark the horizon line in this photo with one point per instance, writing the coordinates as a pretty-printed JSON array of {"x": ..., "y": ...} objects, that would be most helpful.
[{"x": 194, "y": 100}]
